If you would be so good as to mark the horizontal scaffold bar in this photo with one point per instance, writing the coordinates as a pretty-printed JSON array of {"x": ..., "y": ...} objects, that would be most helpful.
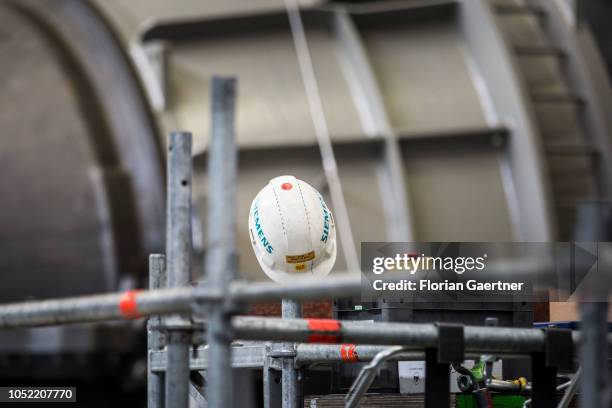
[
  {"x": 415, "y": 336},
  {"x": 142, "y": 303},
  {"x": 134, "y": 304},
  {"x": 253, "y": 355}
]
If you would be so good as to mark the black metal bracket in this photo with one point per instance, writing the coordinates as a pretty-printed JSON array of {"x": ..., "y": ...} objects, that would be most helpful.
[
  {"x": 450, "y": 349},
  {"x": 559, "y": 348},
  {"x": 558, "y": 353},
  {"x": 451, "y": 344}
]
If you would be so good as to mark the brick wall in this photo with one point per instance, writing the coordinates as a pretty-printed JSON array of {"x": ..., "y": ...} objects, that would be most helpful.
[{"x": 321, "y": 309}]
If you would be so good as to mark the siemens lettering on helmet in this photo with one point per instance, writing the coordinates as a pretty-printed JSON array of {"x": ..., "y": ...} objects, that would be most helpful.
[
  {"x": 292, "y": 230},
  {"x": 262, "y": 237},
  {"x": 326, "y": 220}
]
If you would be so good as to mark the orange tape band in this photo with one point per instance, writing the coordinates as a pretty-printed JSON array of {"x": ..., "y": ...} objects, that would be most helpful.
[
  {"x": 324, "y": 331},
  {"x": 348, "y": 352},
  {"x": 128, "y": 306}
]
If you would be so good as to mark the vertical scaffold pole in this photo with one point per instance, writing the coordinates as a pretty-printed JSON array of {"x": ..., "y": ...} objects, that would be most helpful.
[
  {"x": 155, "y": 338},
  {"x": 291, "y": 391},
  {"x": 593, "y": 228},
  {"x": 178, "y": 264},
  {"x": 221, "y": 258}
]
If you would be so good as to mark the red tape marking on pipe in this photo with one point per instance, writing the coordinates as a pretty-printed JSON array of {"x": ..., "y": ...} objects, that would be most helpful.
[
  {"x": 348, "y": 352},
  {"x": 128, "y": 306},
  {"x": 324, "y": 331}
]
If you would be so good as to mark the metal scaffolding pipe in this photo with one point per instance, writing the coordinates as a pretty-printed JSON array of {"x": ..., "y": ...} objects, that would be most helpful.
[
  {"x": 142, "y": 303},
  {"x": 179, "y": 300},
  {"x": 593, "y": 352},
  {"x": 97, "y": 308},
  {"x": 348, "y": 353},
  {"x": 134, "y": 304},
  {"x": 93, "y": 308},
  {"x": 178, "y": 211},
  {"x": 593, "y": 224},
  {"x": 255, "y": 356},
  {"x": 572, "y": 388},
  {"x": 178, "y": 262},
  {"x": 221, "y": 257},
  {"x": 361, "y": 353},
  {"x": 291, "y": 392},
  {"x": 415, "y": 335},
  {"x": 340, "y": 286},
  {"x": 155, "y": 339}
]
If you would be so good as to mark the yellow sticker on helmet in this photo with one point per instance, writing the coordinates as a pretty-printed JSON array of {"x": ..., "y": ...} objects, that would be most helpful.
[
  {"x": 309, "y": 256},
  {"x": 300, "y": 267}
]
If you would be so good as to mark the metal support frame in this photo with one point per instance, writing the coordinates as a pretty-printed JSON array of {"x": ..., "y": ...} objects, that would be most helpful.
[
  {"x": 178, "y": 256},
  {"x": 476, "y": 339},
  {"x": 525, "y": 182},
  {"x": 528, "y": 190},
  {"x": 221, "y": 259},
  {"x": 375, "y": 121},
  {"x": 152, "y": 59},
  {"x": 586, "y": 75},
  {"x": 315, "y": 105},
  {"x": 502, "y": 340}
]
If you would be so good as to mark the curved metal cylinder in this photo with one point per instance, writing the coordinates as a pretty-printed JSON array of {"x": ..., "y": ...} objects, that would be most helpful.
[{"x": 81, "y": 180}]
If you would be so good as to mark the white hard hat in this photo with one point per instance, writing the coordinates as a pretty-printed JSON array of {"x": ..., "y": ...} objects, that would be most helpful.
[{"x": 292, "y": 231}]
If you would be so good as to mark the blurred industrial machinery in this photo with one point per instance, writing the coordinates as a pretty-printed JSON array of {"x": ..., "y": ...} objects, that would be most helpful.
[
  {"x": 82, "y": 180},
  {"x": 473, "y": 120}
]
